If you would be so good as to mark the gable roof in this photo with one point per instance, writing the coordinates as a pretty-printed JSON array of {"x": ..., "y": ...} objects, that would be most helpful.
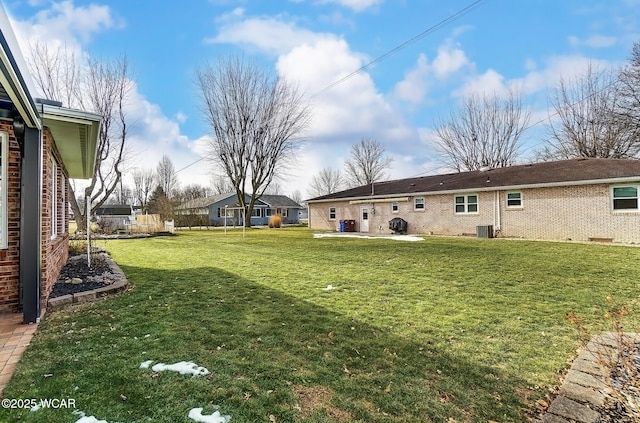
[
  {"x": 557, "y": 173},
  {"x": 279, "y": 201},
  {"x": 266, "y": 200},
  {"x": 203, "y": 203}
]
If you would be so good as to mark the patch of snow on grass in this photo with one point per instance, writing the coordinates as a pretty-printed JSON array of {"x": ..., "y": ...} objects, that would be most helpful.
[
  {"x": 183, "y": 367},
  {"x": 195, "y": 414},
  {"x": 411, "y": 238},
  {"x": 85, "y": 419},
  {"x": 146, "y": 364}
]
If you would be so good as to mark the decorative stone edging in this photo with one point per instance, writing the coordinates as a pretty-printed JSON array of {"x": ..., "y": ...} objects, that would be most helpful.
[
  {"x": 120, "y": 284},
  {"x": 584, "y": 390}
]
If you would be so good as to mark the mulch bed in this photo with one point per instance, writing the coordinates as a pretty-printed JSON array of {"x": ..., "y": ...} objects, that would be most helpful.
[{"x": 97, "y": 276}]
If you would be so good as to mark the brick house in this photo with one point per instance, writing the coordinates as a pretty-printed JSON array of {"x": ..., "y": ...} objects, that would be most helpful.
[
  {"x": 579, "y": 199},
  {"x": 42, "y": 145}
]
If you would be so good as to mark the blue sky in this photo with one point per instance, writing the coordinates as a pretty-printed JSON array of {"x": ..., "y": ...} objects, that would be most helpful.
[{"x": 313, "y": 43}]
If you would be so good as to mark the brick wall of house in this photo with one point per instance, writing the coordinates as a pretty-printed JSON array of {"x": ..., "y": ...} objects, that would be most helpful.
[
  {"x": 558, "y": 213},
  {"x": 10, "y": 258},
  {"x": 55, "y": 250}
]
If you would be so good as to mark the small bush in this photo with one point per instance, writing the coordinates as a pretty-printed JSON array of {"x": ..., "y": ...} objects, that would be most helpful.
[
  {"x": 275, "y": 221},
  {"x": 77, "y": 247}
]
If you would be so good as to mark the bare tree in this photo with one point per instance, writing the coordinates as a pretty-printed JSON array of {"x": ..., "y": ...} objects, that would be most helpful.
[
  {"x": 296, "y": 196},
  {"x": 590, "y": 119},
  {"x": 274, "y": 188},
  {"x": 365, "y": 165},
  {"x": 123, "y": 195},
  {"x": 484, "y": 131},
  {"x": 166, "y": 176},
  {"x": 57, "y": 72},
  {"x": 256, "y": 120},
  {"x": 100, "y": 87},
  {"x": 630, "y": 88},
  {"x": 221, "y": 185},
  {"x": 326, "y": 182},
  {"x": 192, "y": 192},
  {"x": 143, "y": 184}
]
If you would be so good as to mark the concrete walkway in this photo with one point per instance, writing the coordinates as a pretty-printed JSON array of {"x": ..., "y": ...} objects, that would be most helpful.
[{"x": 584, "y": 390}]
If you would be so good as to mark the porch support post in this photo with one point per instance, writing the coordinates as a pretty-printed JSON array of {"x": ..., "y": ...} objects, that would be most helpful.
[{"x": 31, "y": 225}]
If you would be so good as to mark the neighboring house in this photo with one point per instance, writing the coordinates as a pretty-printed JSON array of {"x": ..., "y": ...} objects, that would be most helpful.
[
  {"x": 216, "y": 207},
  {"x": 41, "y": 145},
  {"x": 579, "y": 199},
  {"x": 115, "y": 217}
]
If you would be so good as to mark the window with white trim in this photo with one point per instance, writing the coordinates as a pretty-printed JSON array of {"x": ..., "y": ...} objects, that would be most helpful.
[
  {"x": 466, "y": 204},
  {"x": 394, "y": 207},
  {"x": 332, "y": 213},
  {"x": 418, "y": 203},
  {"x": 54, "y": 198},
  {"x": 625, "y": 198},
  {"x": 256, "y": 212},
  {"x": 4, "y": 205},
  {"x": 514, "y": 200}
]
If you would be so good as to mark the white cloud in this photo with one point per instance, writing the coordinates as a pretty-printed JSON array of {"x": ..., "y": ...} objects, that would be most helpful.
[
  {"x": 488, "y": 82},
  {"x": 71, "y": 24},
  {"x": 449, "y": 60},
  {"x": 594, "y": 41},
  {"x": 413, "y": 88},
  {"x": 415, "y": 85},
  {"x": 357, "y": 5},
  {"x": 271, "y": 34}
]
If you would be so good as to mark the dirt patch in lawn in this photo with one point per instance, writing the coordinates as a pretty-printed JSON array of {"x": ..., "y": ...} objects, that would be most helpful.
[{"x": 315, "y": 398}]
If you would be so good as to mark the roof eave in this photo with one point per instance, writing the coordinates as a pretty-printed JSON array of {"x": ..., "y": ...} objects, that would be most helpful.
[
  {"x": 616, "y": 180},
  {"x": 75, "y": 133}
]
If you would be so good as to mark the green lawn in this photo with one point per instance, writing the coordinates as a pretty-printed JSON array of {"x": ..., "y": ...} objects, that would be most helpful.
[{"x": 445, "y": 330}]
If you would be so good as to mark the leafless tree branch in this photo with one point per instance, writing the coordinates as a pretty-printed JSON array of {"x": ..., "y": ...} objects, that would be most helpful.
[
  {"x": 255, "y": 119},
  {"x": 484, "y": 131}
]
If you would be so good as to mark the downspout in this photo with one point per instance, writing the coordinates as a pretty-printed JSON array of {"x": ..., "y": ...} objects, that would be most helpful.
[{"x": 497, "y": 218}]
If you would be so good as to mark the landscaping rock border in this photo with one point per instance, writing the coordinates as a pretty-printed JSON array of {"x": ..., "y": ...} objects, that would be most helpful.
[
  {"x": 119, "y": 285},
  {"x": 584, "y": 391}
]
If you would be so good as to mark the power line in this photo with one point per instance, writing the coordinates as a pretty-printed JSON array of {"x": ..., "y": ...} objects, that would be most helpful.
[
  {"x": 410, "y": 41},
  {"x": 191, "y": 164}
]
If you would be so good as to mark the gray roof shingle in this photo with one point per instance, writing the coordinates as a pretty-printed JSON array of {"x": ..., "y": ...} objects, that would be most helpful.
[{"x": 569, "y": 172}]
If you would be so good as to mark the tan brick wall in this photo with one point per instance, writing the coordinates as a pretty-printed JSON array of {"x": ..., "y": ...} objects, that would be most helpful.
[
  {"x": 561, "y": 213},
  {"x": 10, "y": 258}
]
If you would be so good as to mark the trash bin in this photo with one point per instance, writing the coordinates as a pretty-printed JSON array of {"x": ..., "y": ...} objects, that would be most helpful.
[
  {"x": 350, "y": 225},
  {"x": 343, "y": 226}
]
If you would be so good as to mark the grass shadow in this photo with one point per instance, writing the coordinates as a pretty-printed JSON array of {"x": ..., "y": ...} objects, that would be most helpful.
[{"x": 267, "y": 353}]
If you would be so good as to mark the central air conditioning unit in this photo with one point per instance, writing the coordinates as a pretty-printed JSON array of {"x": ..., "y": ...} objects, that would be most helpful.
[{"x": 484, "y": 231}]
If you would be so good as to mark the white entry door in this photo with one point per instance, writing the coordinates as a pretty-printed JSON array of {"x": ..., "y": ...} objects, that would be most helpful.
[{"x": 364, "y": 219}]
